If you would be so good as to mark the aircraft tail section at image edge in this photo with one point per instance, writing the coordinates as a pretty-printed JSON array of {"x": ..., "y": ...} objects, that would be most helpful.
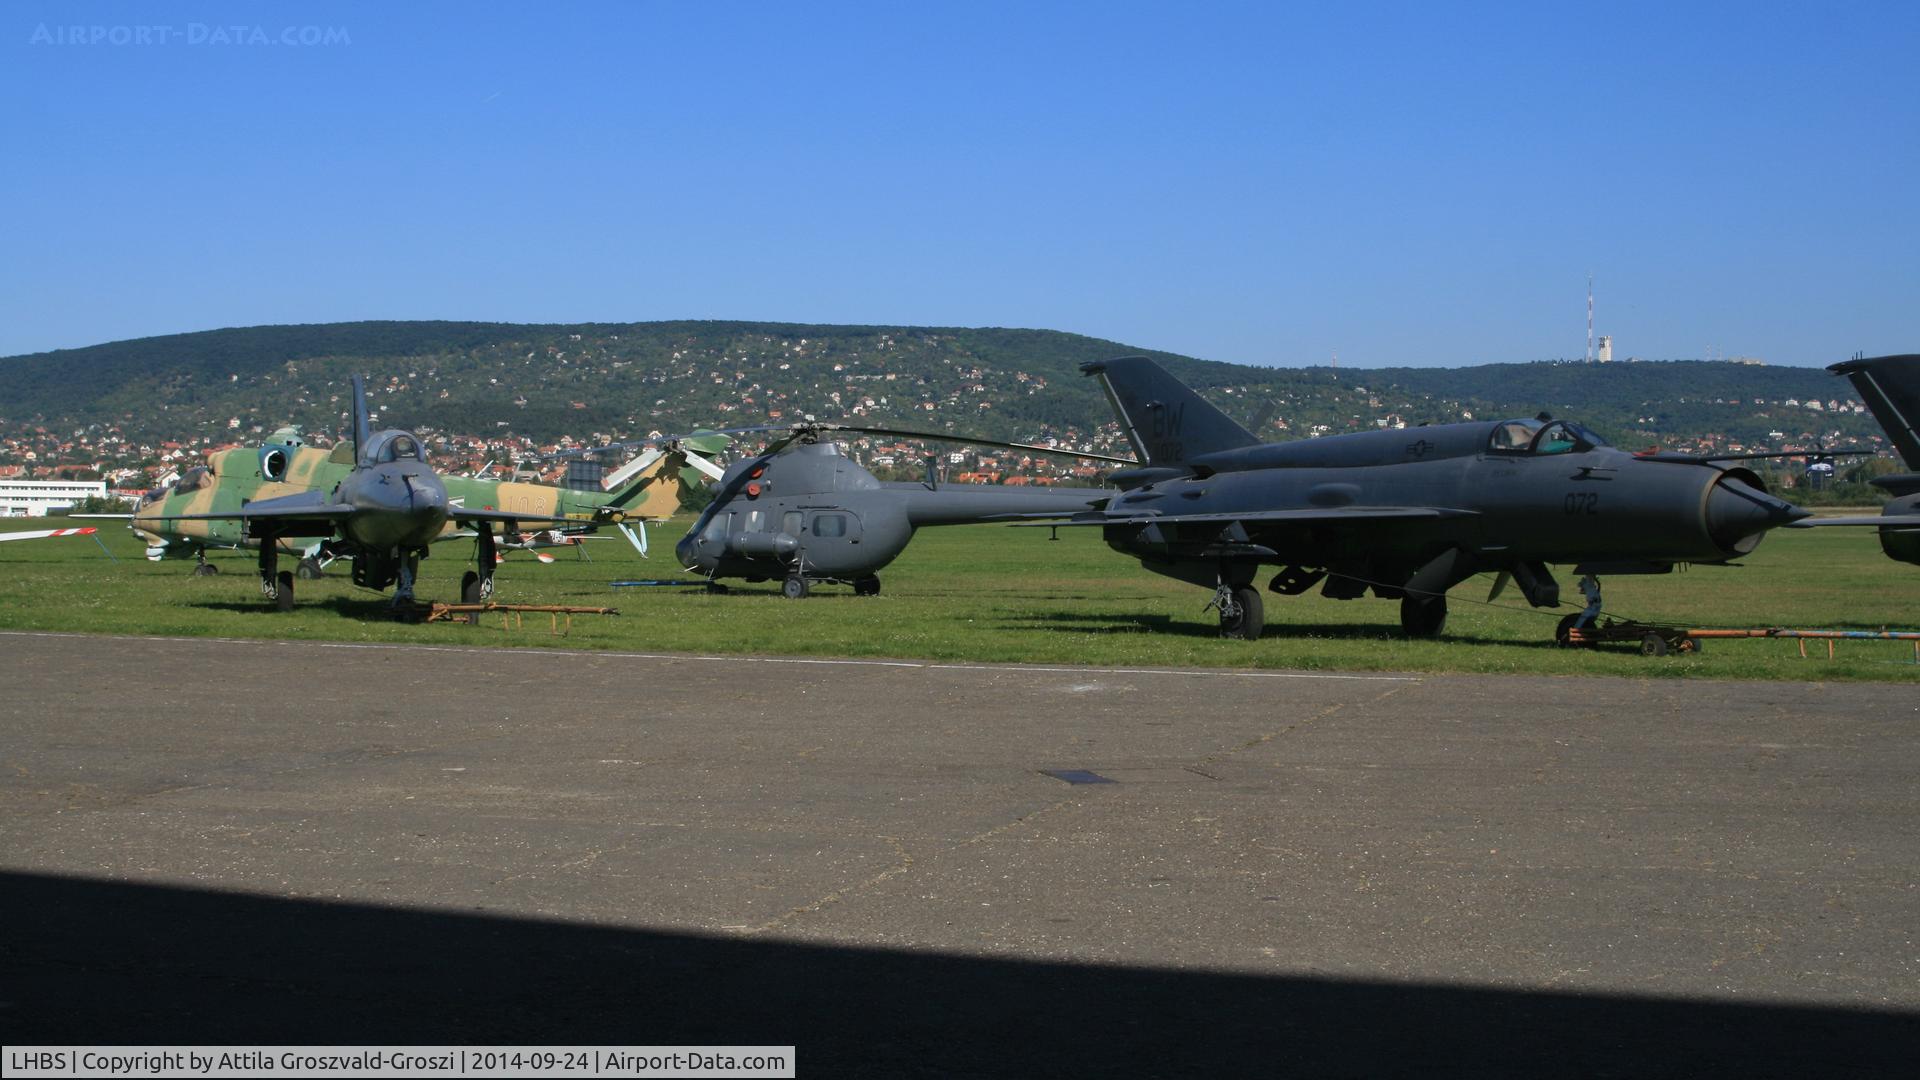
[{"x": 1890, "y": 385}]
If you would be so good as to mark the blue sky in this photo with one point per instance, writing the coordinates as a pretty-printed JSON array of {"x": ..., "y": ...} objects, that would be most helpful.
[{"x": 1266, "y": 183}]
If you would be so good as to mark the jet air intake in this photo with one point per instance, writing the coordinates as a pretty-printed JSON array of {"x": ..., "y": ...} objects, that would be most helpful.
[{"x": 1739, "y": 511}]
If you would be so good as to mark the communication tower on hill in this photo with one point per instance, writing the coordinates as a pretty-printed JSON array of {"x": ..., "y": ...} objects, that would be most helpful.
[{"x": 1589, "y": 318}]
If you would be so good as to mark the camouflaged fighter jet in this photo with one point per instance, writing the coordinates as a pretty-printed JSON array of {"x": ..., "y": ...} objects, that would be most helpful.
[
  {"x": 1890, "y": 385},
  {"x": 1405, "y": 514},
  {"x": 377, "y": 502}
]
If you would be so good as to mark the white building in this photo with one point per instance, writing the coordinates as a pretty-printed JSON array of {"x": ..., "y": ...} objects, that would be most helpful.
[{"x": 37, "y": 498}]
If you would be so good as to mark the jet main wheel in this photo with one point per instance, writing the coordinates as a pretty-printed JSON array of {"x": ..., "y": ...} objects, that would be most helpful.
[
  {"x": 283, "y": 597},
  {"x": 1244, "y": 617},
  {"x": 795, "y": 588},
  {"x": 1423, "y": 616},
  {"x": 309, "y": 569},
  {"x": 470, "y": 588},
  {"x": 867, "y": 586},
  {"x": 1563, "y": 633}
]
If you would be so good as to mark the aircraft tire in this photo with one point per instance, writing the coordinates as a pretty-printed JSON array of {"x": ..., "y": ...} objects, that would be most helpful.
[
  {"x": 795, "y": 588},
  {"x": 1251, "y": 619},
  {"x": 1563, "y": 633},
  {"x": 867, "y": 586},
  {"x": 283, "y": 597},
  {"x": 309, "y": 569},
  {"x": 470, "y": 588},
  {"x": 205, "y": 569},
  {"x": 1423, "y": 617}
]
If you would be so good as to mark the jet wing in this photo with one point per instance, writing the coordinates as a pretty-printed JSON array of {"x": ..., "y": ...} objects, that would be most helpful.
[
  {"x": 466, "y": 515},
  {"x": 1902, "y": 522},
  {"x": 1315, "y": 515},
  {"x": 307, "y": 513}
]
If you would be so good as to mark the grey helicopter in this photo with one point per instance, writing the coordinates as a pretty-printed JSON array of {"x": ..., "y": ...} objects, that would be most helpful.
[
  {"x": 804, "y": 513},
  {"x": 1406, "y": 514}
]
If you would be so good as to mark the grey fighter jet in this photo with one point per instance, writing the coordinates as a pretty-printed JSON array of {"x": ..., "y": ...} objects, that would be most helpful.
[{"x": 1405, "y": 514}]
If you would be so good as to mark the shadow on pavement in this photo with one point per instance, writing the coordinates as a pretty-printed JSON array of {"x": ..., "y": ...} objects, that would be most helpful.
[{"x": 99, "y": 962}]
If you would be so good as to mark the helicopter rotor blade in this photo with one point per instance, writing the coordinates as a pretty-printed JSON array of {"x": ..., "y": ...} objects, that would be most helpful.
[
  {"x": 631, "y": 469},
  {"x": 1036, "y": 448},
  {"x": 704, "y": 466}
]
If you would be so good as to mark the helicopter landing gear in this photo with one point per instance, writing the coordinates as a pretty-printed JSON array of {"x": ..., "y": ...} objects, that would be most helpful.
[
  {"x": 867, "y": 586},
  {"x": 716, "y": 588},
  {"x": 1423, "y": 616},
  {"x": 310, "y": 569},
  {"x": 795, "y": 588},
  {"x": 201, "y": 567},
  {"x": 1242, "y": 613}
]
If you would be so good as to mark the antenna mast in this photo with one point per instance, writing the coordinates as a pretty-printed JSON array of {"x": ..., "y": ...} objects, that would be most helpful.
[{"x": 1589, "y": 318}]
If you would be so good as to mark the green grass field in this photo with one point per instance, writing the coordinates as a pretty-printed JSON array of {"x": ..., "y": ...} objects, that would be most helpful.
[{"x": 992, "y": 593}]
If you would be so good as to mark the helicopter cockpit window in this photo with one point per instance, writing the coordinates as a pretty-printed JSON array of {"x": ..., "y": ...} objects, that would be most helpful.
[
  {"x": 718, "y": 526},
  {"x": 193, "y": 480},
  {"x": 1513, "y": 436},
  {"x": 830, "y": 525}
]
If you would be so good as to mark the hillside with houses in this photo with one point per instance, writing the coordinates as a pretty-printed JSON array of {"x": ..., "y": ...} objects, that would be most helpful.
[{"x": 494, "y": 395}]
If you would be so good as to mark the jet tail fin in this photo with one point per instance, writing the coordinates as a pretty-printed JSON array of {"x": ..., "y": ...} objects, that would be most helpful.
[
  {"x": 1890, "y": 385},
  {"x": 362, "y": 425},
  {"x": 1166, "y": 422}
]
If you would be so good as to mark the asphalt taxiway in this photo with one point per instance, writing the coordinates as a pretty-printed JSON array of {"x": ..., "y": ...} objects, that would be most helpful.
[{"x": 918, "y": 867}]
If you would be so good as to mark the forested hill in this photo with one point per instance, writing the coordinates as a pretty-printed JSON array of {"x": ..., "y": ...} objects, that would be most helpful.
[{"x": 545, "y": 381}]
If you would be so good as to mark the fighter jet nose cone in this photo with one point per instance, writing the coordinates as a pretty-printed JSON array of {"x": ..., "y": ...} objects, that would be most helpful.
[{"x": 1738, "y": 514}]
